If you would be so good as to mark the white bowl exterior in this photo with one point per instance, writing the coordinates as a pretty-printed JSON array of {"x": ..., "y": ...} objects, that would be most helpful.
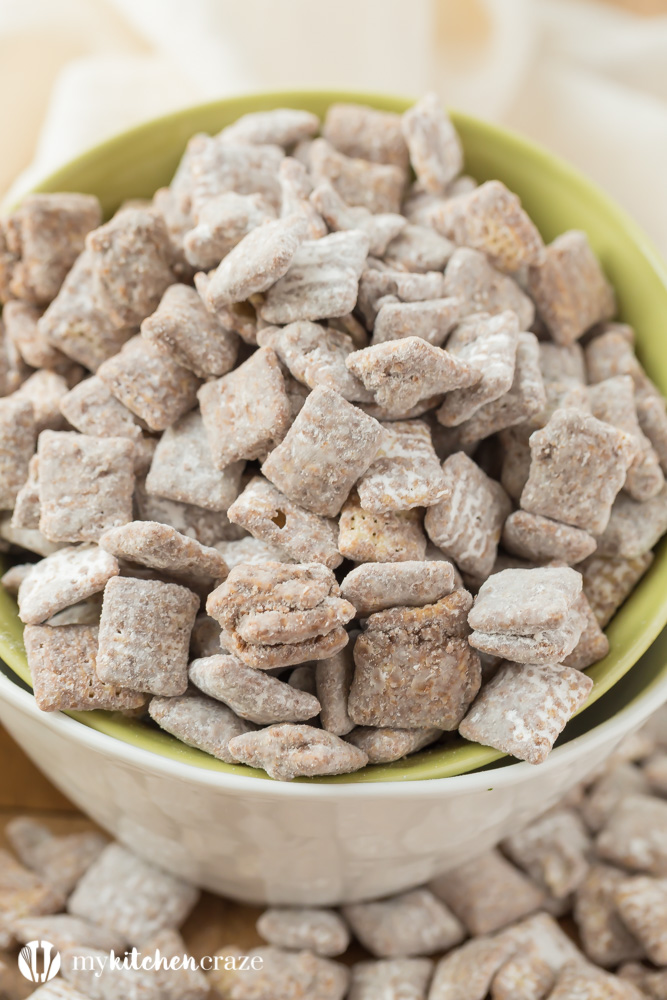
[{"x": 268, "y": 842}]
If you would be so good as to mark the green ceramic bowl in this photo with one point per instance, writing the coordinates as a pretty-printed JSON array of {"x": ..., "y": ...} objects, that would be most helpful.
[{"x": 557, "y": 197}]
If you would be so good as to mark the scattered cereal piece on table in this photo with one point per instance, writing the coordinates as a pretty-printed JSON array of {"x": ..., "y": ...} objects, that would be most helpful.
[
  {"x": 318, "y": 930},
  {"x": 467, "y": 972},
  {"x": 525, "y": 976},
  {"x": 404, "y": 978},
  {"x": 61, "y": 860},
  {"x": 635, "y": 835},
  {"x": 290, "y": 751},
  {"x": 605, "y": 936},
  {"x": 642, "y": 904},
  {"x": 406, "y": 925},
  {"x": 64, "y": 931},
  {"x": 23, "y": 893},
  {"x": 585, "y": 982}
]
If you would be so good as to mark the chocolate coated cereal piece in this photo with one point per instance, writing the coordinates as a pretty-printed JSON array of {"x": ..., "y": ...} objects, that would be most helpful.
[
  {"x": 17, "y": 444},
  {"x": 250, "y": 550},
  {"x": 27, "y": 509},
  {"x": 131, "y": 259},
  {"x": 419, "y": 248},
  {"x": 488, "y": 893},
  {"x": 270, "y": 516},
  {"x": 555, "y": 850},
  {"x": 414, "y": 667},
  {"x": 85, "y": 485},
  {"x": 328, "y": 447},
  {"x": 61, "y": 861},
  {"x": 635, "y": 835},
  {"x": 431, "y": 320},
  {"x": 525, "y": 707},
  {"x": 45, "y": 235},
  {"x": 315, "y": 355},
  {"x": 395, "y": 979},
  {"x": 386, "y": 285},
  {"x": 247, "y": 411},
  {"x": 207, "y": 526},
  {"x": 20, "y": 320},
  {"x": 366, "y": 133},
  {"x": 278, "y": 127},
  {"x": 642, "y": 904},
  {"x": 405, "y": 473},
  {"x": 23, "y": 893},
  {"x": 286, "y": 975},
  {"x": 466, "y": 524},
  {"x": 199, "y": 722},
  {"x": 251, "y": 694},
  {"x": 62, "y": 662},
  {"x": 322, "y": 280},
  {"x": 401, "y": 372},
  {"x": 634, "y": 528},
  {"x": 375, "y": 186},
  {"x": 435, "y": 149},
  {"x": 394, "y": 536},
  {"x": 149, "y": 383},
  {"x": 182, "y": 468},
  {"x": 183, "y": 328},
  {"x": 473, "y": 279},
  {"x": 467, "y": 972},
  {"x": 569, "y": 288},
  {"x": 488, "y": 344},
  {"x": 546, "y": 646},
  {"x": 45, "y": 390},
  {"x": 320, "y": 931},
  {"x": 145, "y": 635},
  {"x": 380, "y": 229},
  {"x": 605, "y": 937},
  {"x": 222, "y": 223},
  {"x": 540, "y": 539},
  {"x": 333, "y": 678},
  {"x": 386, "y": 744},
  {"x": 91, "y": 409},
  {"x": 65, "y": 932},
  {"x": 373, "y": 587},
  {"x": 161, "y": 547},
  {"x": 578, "y": 465},
  {"x": 411, "y": 923},
  {"x": 593, "y": 644},
  {"x": 525, "y": 976},
  {"x": 490, "y": 218},
  {"x": 77, "y": 324},
  {"x": 525, "y": 398},
  {"x": 585, "y": 982},
  {"x": 608, "y": 581},
  {"x": 296, "y": 188},
  {"x": 68, "y": 576},
  {"x": 219, "y": 165},
  {"x": 288, "y": 751},
  {"x": 274, "y": 614},
  {"x": 131, "y": 896}
]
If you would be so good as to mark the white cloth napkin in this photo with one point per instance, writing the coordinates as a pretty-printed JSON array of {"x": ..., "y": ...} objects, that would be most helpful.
[{"x": 587, "y": 80}]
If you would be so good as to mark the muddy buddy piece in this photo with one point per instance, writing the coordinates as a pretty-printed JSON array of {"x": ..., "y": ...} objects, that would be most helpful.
[
  {"x": 65, "y": 932},
  {"x": 251, "y": 694},
  {"x": 380, "y": 229},
  {"x": 27, "y": 509},
  {"x": 250, "y": 550},
  {"x": 291, "y": 751},
  {"x": 432, "y": 320},
  {"x": 68, "y": 576},
  {"x": 608, "y": 581},
  {"x": 13, "y": 369},
  {"x": 76, "y": 324},
  {"x": 275, "y": 614},
  {"x": 222, "y": 223},
  {"x": 635, "y": 835},
  {"x": 60, "y": 860},
  {"x": 246, "y": 412},
  {"x": 412, "y": 923},
  {"x": 219, "y": 165},
  {"x": 569, "y": 289},
  {"x": 489, "y": 345},
  {"x": 284, "y": 975},
  {"x": 366, "y": 134},
  {"x": 322, "y": 280},
  {"x": 150, "y": 383},
  {"x": 44, "y": 236},
  {"x": 488, "y": 893},
  {"x": 379, "y": 287},
  {"x": 401, "y": 372},
  {"x": 161, "y": 547},
  {"x": 525, "y": 976},
  {"x": 555, "y": 850},
  {"x": 374, "y": 587},
  {"x": 539, "y": 539},
  {"x": 328, "y": 447},
  {"x": 472, "y": 279},
  {"x": 585, "y": 982},
  {"x": 387, "y": 744},
  {"x": 183, "y": 328},
  {"x": 279, "y": 127},
  {"x": 545, "y": 646},
  {"x": 131, "y": 896},
  {"x": 131, "y": 257},
  {"x": 63, "y": 663},
  {"x": 405, "y": 473},
  {"x": 404, "y": 978},
  {"x": 604, "y": 795},
  {"x": 578, "y": 465},
  {"x": 525, "y": 707},
  {"x": 145, "y": 635},
  {"x": 642, "y": 903},
  {"x": 296, "y": 188},
  {"x": 466, "y": 524},
  {"x": 208, "y": 526},
  {"x": 435, "y": 149},
  {"x": 45, "y": 390},
  {"x": 634, "y": 528},
  {"x": 26, "y": 538},
  {"x": 23, "y": 893},
  {"x": 525, "y": 601},
  {"x": 395, "y": 536},
  {"x": 85, "y": 485},
  {"x": 491, "y": 219},
  {"x": 92, "y": 409},
  {"x": 315, "y": 355},
  {"x": 200, "y": 722},
  {"x": 420, "y": 249},
  {"x": 467, "y": 972},
  {"x": 605, "y": 937},
  {"x": 58, "y": 990},
  {"x": 20, "y": 320},
  {"x": 320, "y": 931},
  {"x": 333, "y": 678},
  {"x": 375, "y": 186},
  {"x": 17, "y": 444},
  {"x": 14, "y": 577},
  {"x": 414, "y": 667},
  {"x": 593, "y": 644},
  {"x": 270, "y": 516}
]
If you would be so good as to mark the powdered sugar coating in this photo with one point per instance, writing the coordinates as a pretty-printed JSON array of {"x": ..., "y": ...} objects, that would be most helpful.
[
  {"x": 280, "y": 127},
  {"x": 635, "y": 835},
  {"x": 321, "y": 931},
  {"x": 609, "y": 580},
  {"x": 20, "y": 320},
  {"x": 523, "y": 601},
  {"x": 634, "y": 528},
  {"x": 199, "y": 722},
  {"x": 183, "y": 328},
  {"x": 380, "y": 228},
  {"x": 593, "y": 644},
  {"x": 161, "y": 547},
  {"x": 290, "y": 751},
  {"x": 366, "y": 133},
  {"x": 472, "y": 278},
  {"x": 431, "y": 320},
  {"x": 409, "y": 924},
  {"x": 374, "y": 587},
  {"x": 540, "y": 539},
  {"x": 91, "y": 408},
  {"x": 546, "y": 646},
  {"x": 642, "y": 903},
  {"x": 333, "y": 678},
  {"x": 68, "y": 576},
  {"x": 433, "y": 143},
  {"x": 375, "y": 186},
  {"x": 405, "y": 473}
]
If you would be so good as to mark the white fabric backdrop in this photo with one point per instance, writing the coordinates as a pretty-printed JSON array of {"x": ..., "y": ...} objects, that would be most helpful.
[{"x": 585, "y": 79}]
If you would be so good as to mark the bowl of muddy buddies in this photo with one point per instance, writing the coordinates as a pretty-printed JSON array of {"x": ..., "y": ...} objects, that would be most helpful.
[{"x": 332, "y": 452}]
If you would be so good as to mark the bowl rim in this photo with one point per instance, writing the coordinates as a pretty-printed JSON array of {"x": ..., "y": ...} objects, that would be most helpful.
[{"x": 539, "y": 155}]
